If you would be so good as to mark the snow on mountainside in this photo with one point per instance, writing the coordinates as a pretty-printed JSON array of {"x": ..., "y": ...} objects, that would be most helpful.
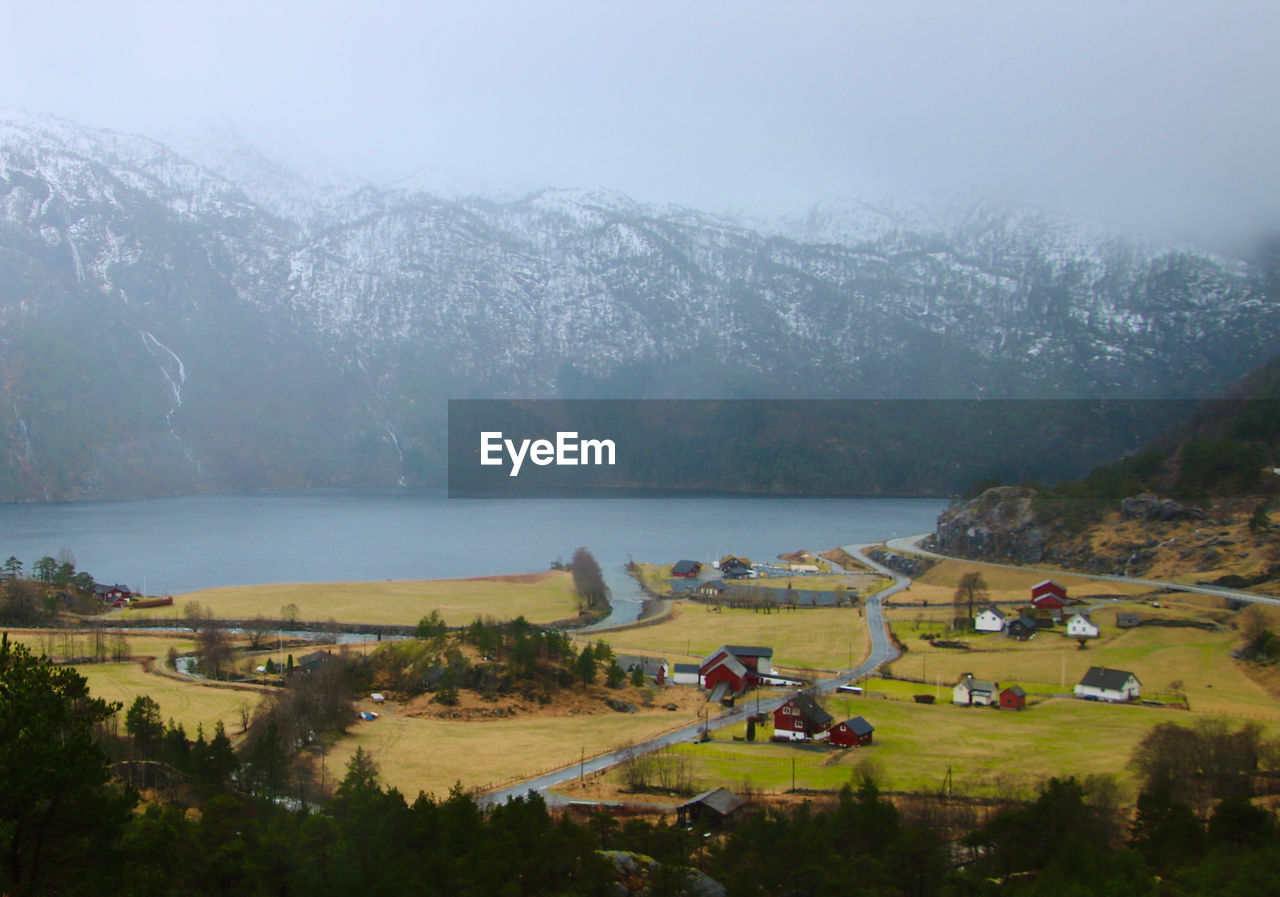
[{"x": 318, "y": 322}]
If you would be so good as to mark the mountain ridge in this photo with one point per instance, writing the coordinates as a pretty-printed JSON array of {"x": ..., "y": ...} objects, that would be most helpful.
[{"x": 319, "y": 340}]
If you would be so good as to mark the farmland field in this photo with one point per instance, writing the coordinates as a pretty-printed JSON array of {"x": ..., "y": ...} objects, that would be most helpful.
[
  {"x": 539, "y": 597},
  {"x": 821, "y": 638}
]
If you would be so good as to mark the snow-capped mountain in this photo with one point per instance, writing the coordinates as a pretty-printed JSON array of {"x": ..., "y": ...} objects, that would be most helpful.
[{"x": 167, "y": 325}]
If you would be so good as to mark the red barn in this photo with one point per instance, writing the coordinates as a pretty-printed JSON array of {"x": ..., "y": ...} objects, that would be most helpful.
[
  {"x": 1013, "y": 698},
  {"x": 855, "y": 732},
  {"x": 801, "y": 719},
  {"x": 1048, "y": 595},
  {"x": 740, "y": 665}
]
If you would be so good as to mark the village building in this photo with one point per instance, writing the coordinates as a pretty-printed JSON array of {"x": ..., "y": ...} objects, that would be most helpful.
[
  {"x": 1128, "y": 621},
  {"x": 989, "y": 620},
  {"x": 734, "y": 567},
  {"x": 113, "y": 595},
  {"x": 712, "y": 588},
  {"x": 653, "y": 668},
  {"x": 1102, "y": 684},
  {"x": 1013, "y": 698},
  {"x": 801, "y": 719},
  {"x": 970, "y": 691},
  {"x": 686, "y": 674},
  {"x": 1080, "y": 626},
  {"x": 686, "y": 569},
  {"x": 309, "y": 663},
  {"x": 710, "y": 808},
  {"x": 1023, "y": 628},
  {"x": 1048, "y": 595},
  {"x": 854, "y": 732}
]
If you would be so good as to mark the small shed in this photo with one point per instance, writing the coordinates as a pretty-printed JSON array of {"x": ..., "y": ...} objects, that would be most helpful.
[
  {"x": 855, "y": 732},
  {"x": 1128, "y": 621},
  {"x": 686, "y": 674},
  {"x": 1022, "y": 628},
  {"x": 710, "y": 808},
  {"x": 1013, "y": 698}
]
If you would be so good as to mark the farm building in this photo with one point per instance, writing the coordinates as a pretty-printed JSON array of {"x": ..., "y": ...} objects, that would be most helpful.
[
  {"x": 309, "y": 663},
  {"x": 686, "y": 569},
  {"x": 712, "y": 588},
  {"x": 852, "y": 732},
  {"x": 114, "y": 595},
  {"x": 1049, "y": 595},
  {"x": 686, "y": 674},
  {"x": 970, "y": 691},
  {"x": 1127, "y": 621},
  {"x": 1013, "y": 698},
  {"x": 989, "y": 620},
  {"x": 734, "y": 567},
  {"x": 801, "y": 719},
  {"x": 1102, "y": 684},
  {"x": 1080, "y": 626},
  {"x": 654, "y": 668},
  {"x": 1022, "y": 628},
  {"x": 714, "y": 808}
]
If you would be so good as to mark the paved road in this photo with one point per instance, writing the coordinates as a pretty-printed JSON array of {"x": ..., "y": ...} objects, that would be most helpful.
[
  {"x": 881, "y": 652},
  {"x": 910, "y": 544}
]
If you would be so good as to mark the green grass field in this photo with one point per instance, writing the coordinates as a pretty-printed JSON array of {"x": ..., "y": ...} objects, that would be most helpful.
[
  {"x": 539, "y": 597},
  {"x": 819, "y": 638},
  {"x": 987, "y": 750},
  {"x": 188, "y": 703}
]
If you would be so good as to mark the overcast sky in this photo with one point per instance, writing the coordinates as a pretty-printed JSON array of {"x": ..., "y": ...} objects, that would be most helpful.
[{"x": 1157, "y": 115}]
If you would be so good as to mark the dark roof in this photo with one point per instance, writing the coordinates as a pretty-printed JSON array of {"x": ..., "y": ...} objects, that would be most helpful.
[
  {"x": 713, "y": 584},
  {"x": 721, "y": 800},
  {"x": 315, "y": 657},
  {"x": 685, "y": 668},
  {"x": 810, "y": 710},
  {"x": 859, "y": 726},
  {"x": 1127, "y": 619},
  {"x": 1027, "y": 621},
  {"x": 650, "y": 666},
  {"x": 683, "y": 567},
  {"x": 1111, "y": 680},
  {"x": 1017, "y": 690},
  {"x": 750, "y": 650}
]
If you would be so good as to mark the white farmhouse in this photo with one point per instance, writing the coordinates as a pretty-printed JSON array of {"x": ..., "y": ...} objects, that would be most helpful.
[
  {"x": 1102, "y": 684},
  {"x": 989, "y": 620},
  {"x": 1079, "y": 626},
  {"x": 970, "y": 691}
]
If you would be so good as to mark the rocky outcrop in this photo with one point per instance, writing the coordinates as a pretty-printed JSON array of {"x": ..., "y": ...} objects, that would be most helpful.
[
  {"x": 1000, "y": 524},
  {"x": 1151, "y": 507}
]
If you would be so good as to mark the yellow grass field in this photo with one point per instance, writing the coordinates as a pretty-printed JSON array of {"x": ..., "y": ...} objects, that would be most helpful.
[
  {"x": 430, "y": 755},
  {"x": 808, "y": 638},
  {"x": 539, "y": 597},
  {"x": 987, "y": 750},
  {"x": 189, "y": 703}
]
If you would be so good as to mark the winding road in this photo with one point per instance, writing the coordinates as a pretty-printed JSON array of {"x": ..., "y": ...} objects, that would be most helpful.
[{"x": 881, "y": 653}]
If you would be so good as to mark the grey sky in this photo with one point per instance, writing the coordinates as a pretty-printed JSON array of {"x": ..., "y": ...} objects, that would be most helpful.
[{"x": 1159, "y": 115}]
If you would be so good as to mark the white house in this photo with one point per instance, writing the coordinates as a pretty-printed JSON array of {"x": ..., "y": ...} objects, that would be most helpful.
[
  {"x": 989, "y": 620},
  {"x": 1079, "y": 626},
  {"x": 1102, "y": 684},
  {"x": 974, "y": 691}
]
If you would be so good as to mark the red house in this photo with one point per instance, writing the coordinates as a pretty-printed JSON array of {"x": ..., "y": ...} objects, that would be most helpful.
[
  {"x": 686, "y": 569},
  {"x": 801, "y": 719},
  {"x": 1048, "y": 595},
  {"x": 740, "y": 665},
  {"x": 855, "y": 732},
  {"x": 1013, "y": 698}
]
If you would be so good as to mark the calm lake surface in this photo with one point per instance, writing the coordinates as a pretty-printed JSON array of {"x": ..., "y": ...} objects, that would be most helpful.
[{"x": 176, "y": 545}]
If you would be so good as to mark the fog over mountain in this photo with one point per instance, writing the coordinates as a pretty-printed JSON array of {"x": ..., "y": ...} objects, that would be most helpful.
[{"x": 168, "y": 325}]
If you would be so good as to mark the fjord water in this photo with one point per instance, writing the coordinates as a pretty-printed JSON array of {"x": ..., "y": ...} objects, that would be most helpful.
[{"x": 176, "y": 545}]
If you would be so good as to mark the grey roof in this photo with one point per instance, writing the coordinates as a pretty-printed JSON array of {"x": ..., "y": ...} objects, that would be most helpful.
[
  {"x": 977, "y": 684},
  {"x": 750, "y": 650},
  {"x": 729, "y": 660},
  {"x": 685, "y": 567},
  {"x": 860, "y": 726},
  {"x": 1017, "y": 690},
  {"x": 992, "y": 609},
  {"x": 722, "y": 800},
  {"x": 1110, "y": 680},
  {"x": 810, "y": 710},
  {"x": 1127, "y": 619},
  {"x": 650, "y": 666},
  {"x": 686, "y": 668}
]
